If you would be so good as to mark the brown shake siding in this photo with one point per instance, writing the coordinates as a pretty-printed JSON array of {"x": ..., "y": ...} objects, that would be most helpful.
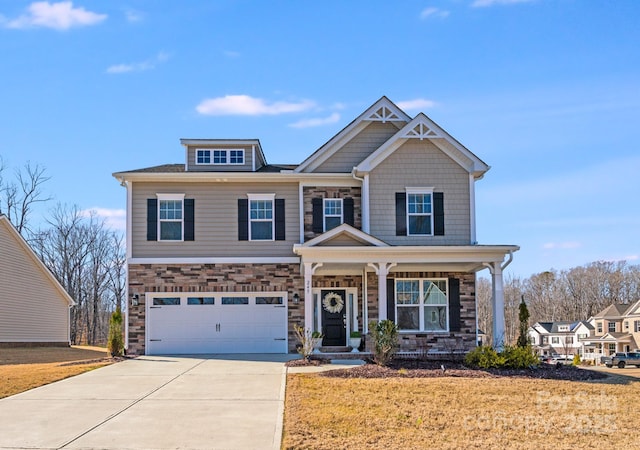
[{"x": 420, "y": 164}]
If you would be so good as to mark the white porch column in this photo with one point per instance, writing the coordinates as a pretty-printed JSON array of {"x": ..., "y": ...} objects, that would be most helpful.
[
  {"x": 497, "y": 301},
  {"x": 497, "y": 305},
  {"x": 382, "y": 270},
  {"x": 309, "y": 269}
]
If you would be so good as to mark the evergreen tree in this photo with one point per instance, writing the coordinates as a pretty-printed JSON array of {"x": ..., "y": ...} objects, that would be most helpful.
[{"x": 523, "y": 316}]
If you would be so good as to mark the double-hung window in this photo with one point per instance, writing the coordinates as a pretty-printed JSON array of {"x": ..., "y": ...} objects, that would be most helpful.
[
  {"x": 419, "y": 212},
  {"x": 170, "y": 217},
  {"x": 611, "y": 327},
  {"x": 422, "y": 305},
  {"x": 220, "y": 157},
  {"x": 332, "y": 213},
  {"x": 261, "y": 217}
]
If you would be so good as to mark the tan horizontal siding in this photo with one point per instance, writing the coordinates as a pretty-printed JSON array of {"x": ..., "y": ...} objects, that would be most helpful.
[
  {"x": 216, "y": 221},
  {"x": 420, "y": 164},
  {"x": 359, "y": 148},
  {"x": 246, "y": 167},
  {"x": 32, "y": 309}
]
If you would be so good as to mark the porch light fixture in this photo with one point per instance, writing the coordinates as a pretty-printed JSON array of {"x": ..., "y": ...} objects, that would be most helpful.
[
  {"x": 135, "y": 299},
  {"x": 296, "y": 298}
]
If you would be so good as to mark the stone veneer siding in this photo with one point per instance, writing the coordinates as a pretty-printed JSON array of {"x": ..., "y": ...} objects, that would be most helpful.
[
  {"x": 422, "y": 342},
  {"x": 287, "y": 277},
  {"x": 310, "y": 192},
  {"x": 212, "y": 278}
]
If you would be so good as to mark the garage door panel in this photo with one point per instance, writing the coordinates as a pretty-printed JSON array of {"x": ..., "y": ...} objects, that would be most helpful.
[{"x": 239, "y": 325}]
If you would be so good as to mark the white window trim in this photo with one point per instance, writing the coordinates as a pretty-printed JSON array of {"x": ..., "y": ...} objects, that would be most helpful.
[
  {"x": 419, "y": 190},
  {"x": 203, "y": 150},
  {"x": 176, "y": 197},
  {"x": 421, "y": 304},
  {"x": 263, "y": 197},
  {"x": 324, "y": 214},
  {"x": 227, "y": 152}
]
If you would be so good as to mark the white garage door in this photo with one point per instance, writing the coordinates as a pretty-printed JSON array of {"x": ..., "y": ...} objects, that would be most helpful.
[{"x": 216, "y": 323}]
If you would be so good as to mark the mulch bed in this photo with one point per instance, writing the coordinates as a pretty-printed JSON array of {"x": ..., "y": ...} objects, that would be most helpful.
[{"x": 432, "y": 369}]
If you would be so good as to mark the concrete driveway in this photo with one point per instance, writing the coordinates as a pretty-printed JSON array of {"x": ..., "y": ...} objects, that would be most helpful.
[{"x": 159, "y": 402}]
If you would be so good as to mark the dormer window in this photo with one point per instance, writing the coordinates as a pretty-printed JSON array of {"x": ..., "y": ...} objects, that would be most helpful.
[
  {"x": 203, "y": 156},
  {"x": 219, "y": 156}
]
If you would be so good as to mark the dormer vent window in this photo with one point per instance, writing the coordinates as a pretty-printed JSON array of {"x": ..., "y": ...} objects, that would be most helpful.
[{"x": 219, "y": 156}]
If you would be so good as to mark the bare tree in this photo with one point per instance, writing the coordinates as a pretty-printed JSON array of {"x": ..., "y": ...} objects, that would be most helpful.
[
  {"x": 87, "y": 259},
  {"x": 18, "y": 198}
]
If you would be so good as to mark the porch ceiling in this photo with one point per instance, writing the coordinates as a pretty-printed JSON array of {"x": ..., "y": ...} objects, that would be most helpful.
[{"x": 352, "y": 259}]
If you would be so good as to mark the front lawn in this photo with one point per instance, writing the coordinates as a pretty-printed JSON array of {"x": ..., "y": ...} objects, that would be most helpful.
[
  {"x": 25, "y": 368},
  {"x": 453, "y": 412}
]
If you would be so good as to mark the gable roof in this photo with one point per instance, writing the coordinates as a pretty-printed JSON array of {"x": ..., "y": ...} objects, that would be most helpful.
[
  {"x": 30, "y": 254},
  {"x": 633, "y": 309},
  {"x": 422, "y": 127},
  {"x": 384, "y": 110},
  {"x": 345, "y": 231},
  {"x": 615, "y": 310}
]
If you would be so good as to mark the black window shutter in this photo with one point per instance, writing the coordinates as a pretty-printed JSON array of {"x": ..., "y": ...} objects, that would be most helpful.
[
  {"x": 280, "y": 234},
  {"x": 391, "y": 299},
  {"x": 152, "y": 219},
  {"x": 243, "y": 219},
  {"x": 347, "y": 204},
  {"x": 438, "y": 214},
  {"x": 189, "y": 223},
  {"x": 454, "y": 304},
  {"x": 318, "y": 215},
  {"x": 401, "y": 213}
]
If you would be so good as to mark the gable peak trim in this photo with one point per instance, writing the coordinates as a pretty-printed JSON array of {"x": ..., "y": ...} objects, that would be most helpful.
[{"x": 384, "y": 114}]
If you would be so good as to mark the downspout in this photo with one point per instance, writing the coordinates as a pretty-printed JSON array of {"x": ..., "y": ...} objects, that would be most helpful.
[
  {"x": 129, "y": 252},
  {"x": 364, "y": 199},
  {"x": 301, "y": 212}
]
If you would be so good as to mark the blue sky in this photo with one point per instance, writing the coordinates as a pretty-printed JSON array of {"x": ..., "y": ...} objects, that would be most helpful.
[{"x": 547, "y": 92}]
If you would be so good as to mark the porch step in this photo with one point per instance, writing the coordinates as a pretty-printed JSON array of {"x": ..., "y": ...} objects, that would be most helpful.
[{"x": 337, "y": 349}]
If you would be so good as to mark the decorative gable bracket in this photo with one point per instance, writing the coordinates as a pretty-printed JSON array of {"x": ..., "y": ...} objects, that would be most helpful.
[
  {"x": 421, "y": 131},
  {"x": 384, "y": 114}
]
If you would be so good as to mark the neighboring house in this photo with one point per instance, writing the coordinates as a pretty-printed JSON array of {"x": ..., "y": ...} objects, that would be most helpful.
[
  {"x": 615, "y": 329},
  {"x": 34, "y": 307},
  {"x": 559, "y": 338},
  {"x": 227, "y": 253}
]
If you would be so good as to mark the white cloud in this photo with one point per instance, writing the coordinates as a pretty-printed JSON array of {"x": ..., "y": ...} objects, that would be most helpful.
[
  {"x": 133, "y": 16},
  {"x": 415, "y": 104},
  {"x": 115, "y": 219},
  {"x": 486, "y": 3},
  {"x": 245, "y": 105},
  {"x": 562, "y": 245},
  {"x": 139, "y": 66},
  {"x": 433, "y": 12},
  {"x": 59, "y": 16},
  {"x": 308, "y": 123}
]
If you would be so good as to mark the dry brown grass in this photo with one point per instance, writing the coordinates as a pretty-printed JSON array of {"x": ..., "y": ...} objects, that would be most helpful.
[
  {"x": 22, "y": 369},
  {"x": 452, "y": 413}
]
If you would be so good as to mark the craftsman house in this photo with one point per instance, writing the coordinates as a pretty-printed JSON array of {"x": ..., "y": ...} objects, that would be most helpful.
[
  {"x": 614, "y": 329},
  {"x": 227, "y": 253},
  {"x": 559, "y": 339}
]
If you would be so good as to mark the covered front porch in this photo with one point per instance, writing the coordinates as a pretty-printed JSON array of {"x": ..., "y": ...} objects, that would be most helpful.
[{"x": 352, "y": 279}]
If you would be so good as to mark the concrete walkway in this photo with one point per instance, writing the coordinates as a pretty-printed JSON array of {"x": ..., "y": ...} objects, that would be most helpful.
[{"x": 200, "y": 402}]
